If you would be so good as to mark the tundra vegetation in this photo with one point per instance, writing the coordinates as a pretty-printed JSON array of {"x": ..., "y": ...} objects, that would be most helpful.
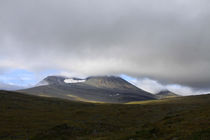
[{"x": 28, "y": 117}]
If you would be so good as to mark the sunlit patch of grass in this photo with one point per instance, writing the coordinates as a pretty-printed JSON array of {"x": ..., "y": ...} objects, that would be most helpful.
[
  {"x": 44, "y": 95},
  {"x": 82, "y": 99},
  {"x": 149, "y": 101}
]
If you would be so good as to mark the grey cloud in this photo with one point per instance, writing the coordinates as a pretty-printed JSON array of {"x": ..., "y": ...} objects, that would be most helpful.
[
  {"x": 153, "y": 86},
  {"x": 165, "y": 40}
]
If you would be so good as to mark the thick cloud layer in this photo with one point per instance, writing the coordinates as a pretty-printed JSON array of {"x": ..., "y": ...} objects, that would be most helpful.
[
  {"x": 153, "y": 86},
  {"x": 165, "y": 40}
]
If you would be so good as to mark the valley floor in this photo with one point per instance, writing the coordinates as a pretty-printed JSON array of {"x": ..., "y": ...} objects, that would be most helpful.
[{"x": 25, "y": 117}]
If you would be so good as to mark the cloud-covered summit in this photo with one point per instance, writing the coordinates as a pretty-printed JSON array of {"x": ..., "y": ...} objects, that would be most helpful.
[{"x": 164, "y": 40}]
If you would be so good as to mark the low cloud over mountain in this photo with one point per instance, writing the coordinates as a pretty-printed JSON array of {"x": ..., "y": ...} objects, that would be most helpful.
[
  {"x": 4, "y": 86},
  {"x": 154, "y": 86}
]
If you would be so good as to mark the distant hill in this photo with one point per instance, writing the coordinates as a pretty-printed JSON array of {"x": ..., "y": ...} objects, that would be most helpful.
[
  {"x": 109, "y": 89},
  {"x": 166, "y": 94},
  {"x": 4, "y": 86}
]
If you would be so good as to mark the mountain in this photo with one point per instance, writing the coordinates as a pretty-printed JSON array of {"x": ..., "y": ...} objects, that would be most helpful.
[
  {"x": 166, "y": 94},
  {"x": 108, "y": 89},
  {"x": 4, "y": 86},
  {"x": 51, "y": 80}
]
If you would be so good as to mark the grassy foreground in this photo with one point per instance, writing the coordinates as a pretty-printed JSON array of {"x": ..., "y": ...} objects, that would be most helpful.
[{"x": 25, "y": 117}]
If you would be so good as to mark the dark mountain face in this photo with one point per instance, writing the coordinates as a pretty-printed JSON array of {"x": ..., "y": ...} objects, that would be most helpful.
[
  {"x": 166, "y": 94},
  {"x": 110, "y": 82},
  {"x": 95, "y": 89},
  {"x": 51, "y": 80}
]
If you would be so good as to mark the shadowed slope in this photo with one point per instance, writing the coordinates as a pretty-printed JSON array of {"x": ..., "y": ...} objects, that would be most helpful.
[{"x": 38, "y": 118}]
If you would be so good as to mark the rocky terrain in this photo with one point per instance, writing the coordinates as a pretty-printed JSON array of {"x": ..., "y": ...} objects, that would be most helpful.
[{"x": 108, "y": 89}]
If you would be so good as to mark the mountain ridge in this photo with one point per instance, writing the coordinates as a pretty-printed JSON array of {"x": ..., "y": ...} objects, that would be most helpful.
[
  {"x": 166, "y": 94},
  {"x": 111, "y": 89}
]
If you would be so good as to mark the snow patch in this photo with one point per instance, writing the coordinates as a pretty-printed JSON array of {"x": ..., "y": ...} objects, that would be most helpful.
[{"x": 71, "y": 80}]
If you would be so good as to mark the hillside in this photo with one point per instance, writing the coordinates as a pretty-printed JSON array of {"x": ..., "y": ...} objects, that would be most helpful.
[
  {"x": 109, "y": 89},
  {"x": 166, "y": 94},
  {"x": 30, "y": 117}
]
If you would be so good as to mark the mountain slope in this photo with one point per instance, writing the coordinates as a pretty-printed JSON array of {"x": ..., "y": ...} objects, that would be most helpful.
[
  {"x": 109, "y": 89},
  {"x": 166, "y": 94}
]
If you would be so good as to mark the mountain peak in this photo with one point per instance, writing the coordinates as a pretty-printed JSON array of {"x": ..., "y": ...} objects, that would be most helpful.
[
  {"x": 109, "y": 82},
  {"x": 51, "y": 80},
  {"x": 166, "y": 94},
  {"x": 105, "y": 82},
  {"x": 95, "y": 88}
]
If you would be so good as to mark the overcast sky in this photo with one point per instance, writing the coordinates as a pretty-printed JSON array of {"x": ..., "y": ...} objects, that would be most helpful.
[{"x": 165, "y": 40}]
